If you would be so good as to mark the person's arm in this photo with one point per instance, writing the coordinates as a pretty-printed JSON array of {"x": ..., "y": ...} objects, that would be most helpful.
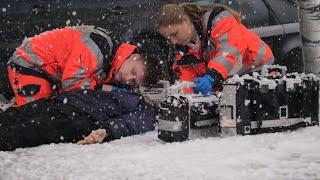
[
  {"x": 139, "y": 121},
  {"x": 123, "y": 114},
  {"x": 85, "y": 66},
  {"x": 238, "y": 50},
  {"x": 80, "y": 69},
  {"x": 130, "y": 124},
  {"x": 226, "y": 58}
]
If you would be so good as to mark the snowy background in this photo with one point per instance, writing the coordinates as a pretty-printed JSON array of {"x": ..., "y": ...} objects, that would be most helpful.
[{"x": 286, "y": 155}]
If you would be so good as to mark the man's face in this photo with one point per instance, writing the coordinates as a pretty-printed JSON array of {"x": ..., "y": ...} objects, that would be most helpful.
[{"x": 132, "y": 71}]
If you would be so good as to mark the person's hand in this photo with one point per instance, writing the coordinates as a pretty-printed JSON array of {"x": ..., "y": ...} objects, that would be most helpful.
[
  {"x": 106, "y": 87},
  {"x": 204, "y": 85},
  {"x": 95, "y": 136},
  {"x": 110, "y": 88},
  {"x": 148, "y": 100}
]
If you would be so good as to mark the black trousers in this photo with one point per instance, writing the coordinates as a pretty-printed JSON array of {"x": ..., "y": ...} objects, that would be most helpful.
[{"x": 43, "y": 122}]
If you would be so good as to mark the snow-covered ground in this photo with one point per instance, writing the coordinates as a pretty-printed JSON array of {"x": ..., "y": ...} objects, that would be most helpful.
[{"x": 286, "y": 155}]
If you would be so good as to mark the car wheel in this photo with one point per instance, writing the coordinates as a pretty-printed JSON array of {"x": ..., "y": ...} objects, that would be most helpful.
[{"x": 293, "y": 61}]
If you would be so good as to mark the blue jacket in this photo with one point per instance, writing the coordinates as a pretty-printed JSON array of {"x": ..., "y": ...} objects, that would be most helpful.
[
  {"x": 71, "y": 116},
  {"x": 120, "y": 113}
]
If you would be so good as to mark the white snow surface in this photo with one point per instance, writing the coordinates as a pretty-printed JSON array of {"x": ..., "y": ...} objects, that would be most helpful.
[{"x": 285, "y": 155}]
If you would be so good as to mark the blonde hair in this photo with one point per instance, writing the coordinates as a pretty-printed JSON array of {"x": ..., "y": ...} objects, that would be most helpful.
[{"x": 171, "y": 14}]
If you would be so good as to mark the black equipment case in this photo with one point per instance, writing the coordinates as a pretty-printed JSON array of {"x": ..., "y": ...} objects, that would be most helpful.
[
  {"x": 269, "y": 102},
  {"x": 187, "y": 116}
]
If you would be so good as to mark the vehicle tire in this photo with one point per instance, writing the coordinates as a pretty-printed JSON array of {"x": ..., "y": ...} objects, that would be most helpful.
[{"x": 293, "y": 60}]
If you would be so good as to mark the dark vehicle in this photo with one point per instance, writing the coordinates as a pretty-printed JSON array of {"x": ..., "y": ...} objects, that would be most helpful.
[{"x": 274, "y": 20}]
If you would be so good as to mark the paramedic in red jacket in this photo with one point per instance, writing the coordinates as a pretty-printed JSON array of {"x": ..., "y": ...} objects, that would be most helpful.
[
  {"x": 219, "y": 45},
  {"x": 80, "y": 57}
]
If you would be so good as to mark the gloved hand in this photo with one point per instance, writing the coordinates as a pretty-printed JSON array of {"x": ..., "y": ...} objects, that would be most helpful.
[{"x": 204, "y": 85}]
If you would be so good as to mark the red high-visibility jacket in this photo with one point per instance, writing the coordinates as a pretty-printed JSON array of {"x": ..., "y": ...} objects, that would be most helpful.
[
  {"x": 188, "y": 65},
  {"x": 67, "y": 59},
  {"x": 228, "y": 46}
]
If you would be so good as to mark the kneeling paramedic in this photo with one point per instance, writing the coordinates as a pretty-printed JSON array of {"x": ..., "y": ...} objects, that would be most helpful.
[
  {"x": 217, "y": 45},
  {"x": 80, "y": 57}
]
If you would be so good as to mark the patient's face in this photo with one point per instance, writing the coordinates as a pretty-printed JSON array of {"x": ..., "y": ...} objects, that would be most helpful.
[{"x": 132, "y": 72}]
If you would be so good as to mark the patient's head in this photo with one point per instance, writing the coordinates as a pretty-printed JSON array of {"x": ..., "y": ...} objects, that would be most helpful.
[
  {"x": 146, "y": 65},
  {"x": 133, "y": 71}
]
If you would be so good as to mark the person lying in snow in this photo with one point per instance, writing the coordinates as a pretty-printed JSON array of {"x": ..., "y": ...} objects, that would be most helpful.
[
  {"x": 71, "y": 116},
  {"x": 80, "y": 57}
]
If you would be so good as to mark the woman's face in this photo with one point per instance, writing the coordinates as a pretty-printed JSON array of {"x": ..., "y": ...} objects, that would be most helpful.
[
  {"x": 132, "y": 72},
  {"x": 181, "y": 33}
]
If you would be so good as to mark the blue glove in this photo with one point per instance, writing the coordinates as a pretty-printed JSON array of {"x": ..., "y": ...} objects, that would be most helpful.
[{"x": 204, "y": 85}]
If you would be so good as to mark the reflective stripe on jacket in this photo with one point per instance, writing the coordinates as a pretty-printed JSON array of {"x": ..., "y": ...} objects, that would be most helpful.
[
  {"x": 76, "y": 57},
  {"x": 227, "y": 46},
  {"x": 236, "y": 48}
]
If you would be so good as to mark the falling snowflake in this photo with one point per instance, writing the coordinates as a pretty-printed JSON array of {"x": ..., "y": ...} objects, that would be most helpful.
[
  {"x": 65, "y": 100},
  {"x": 68, "y": 22}
]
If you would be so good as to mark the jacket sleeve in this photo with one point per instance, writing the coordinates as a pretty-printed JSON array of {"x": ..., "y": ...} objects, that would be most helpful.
[
  {"x": 79, "y": 70},
  {"x": 136, "y": 122},
  {"x": 237, "y": 48},
  {"x": 121, "y": 113},
  {"x": 86, "y": 65},
  {"x": 226, "y": 59}
]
